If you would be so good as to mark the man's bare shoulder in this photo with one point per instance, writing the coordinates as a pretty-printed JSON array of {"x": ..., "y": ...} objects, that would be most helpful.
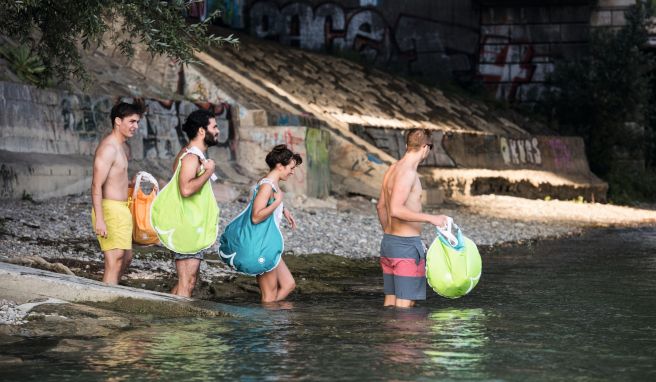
[
  {"x": 190, "y": 160},
  {"x": 404, "y": 170},
  {"x": 107, "y": 147}
]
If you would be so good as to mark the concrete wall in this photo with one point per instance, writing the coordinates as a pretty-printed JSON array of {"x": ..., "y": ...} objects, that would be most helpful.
[
  {"x": 312, "y": 178},
  {"x": 57, "y": 122},
  {"x": 510, "y": 45},
  {"x": 48, "y": 138},
  {"x": 56, "y": 131},
  {"x": 561, "y": 155}
]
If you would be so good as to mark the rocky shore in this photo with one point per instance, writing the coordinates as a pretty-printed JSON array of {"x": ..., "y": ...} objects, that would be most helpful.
[{"x": 334, "y": 239}]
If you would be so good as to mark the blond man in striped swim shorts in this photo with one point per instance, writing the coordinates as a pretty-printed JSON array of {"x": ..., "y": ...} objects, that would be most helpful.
[{"x": 402, "y": 253}]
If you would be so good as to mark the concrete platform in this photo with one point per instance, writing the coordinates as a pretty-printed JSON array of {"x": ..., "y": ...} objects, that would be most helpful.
[{"x": 22, "y": 284}]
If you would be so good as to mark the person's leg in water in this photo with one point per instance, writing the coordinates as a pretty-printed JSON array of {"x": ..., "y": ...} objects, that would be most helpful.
[
  {"x": 187, "y": 274},
  {"x": 114, "y": 265},
  {"x": 277, "y": 284},
  {"x": 390, "y": 300},
  {"x": 401, "y": 303},
  {"x": 127, "y": 259},
  {"x": 286, "y": 283}
]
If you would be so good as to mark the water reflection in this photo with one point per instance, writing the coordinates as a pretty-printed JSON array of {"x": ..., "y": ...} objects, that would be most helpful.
[
  {"x": 406, "y": 331},
  {"x": 164, "y": 352},
  {"x": 458, "y": 340}
]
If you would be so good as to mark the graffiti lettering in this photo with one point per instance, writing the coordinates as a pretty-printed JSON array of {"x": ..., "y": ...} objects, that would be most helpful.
[
  {"x": 414, "y": 41},
  {"x": 505, "y": 65},
  {"x": 520, "y": 151}
]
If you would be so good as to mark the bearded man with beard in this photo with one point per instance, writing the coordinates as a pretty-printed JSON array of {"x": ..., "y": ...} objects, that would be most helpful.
[{"x": 202, "y": 131}]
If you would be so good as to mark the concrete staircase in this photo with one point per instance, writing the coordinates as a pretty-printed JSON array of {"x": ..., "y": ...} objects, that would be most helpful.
[{"x": 478, "y": 149}]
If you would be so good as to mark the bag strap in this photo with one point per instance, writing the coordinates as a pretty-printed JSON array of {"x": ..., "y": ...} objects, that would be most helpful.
[
  {"x": 266, "y": 181},
  {"x": 143, "y": 175},
  {"x": 196, "y": 151},
  {"x": 447, "y": 233}
]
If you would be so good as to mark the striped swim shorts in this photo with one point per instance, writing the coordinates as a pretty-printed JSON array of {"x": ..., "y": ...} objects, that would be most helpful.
[{"x": 403, "y": 260}]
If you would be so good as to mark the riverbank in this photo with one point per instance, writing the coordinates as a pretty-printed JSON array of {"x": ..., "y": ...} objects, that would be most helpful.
[{"x": 331, "y": 243}]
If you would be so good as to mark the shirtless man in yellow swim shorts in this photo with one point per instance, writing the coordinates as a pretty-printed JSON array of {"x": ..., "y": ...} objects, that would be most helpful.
[{"x": 111, "y": 218}]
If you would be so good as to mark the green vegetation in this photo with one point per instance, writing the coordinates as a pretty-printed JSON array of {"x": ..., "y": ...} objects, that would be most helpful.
[
  {"x": 27, "y": 66},
  {"x": 608, "y": 98},
  {"x": 53, "y": 32}
]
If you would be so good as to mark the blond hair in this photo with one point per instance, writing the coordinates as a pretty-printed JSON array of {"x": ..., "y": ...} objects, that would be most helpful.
[{"x": 417, "y": 138}]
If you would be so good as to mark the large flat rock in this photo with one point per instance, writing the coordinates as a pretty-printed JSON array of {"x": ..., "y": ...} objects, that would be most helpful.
[{"x": 22, "y": 284}]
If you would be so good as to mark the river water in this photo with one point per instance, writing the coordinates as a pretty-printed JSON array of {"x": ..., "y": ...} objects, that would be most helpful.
[{"x": 576, "y": 309}]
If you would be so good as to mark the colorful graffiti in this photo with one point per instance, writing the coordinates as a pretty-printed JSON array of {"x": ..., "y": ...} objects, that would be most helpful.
[
  {"x": 412, "y": 42},
  {"x": 507, "y": 67}
]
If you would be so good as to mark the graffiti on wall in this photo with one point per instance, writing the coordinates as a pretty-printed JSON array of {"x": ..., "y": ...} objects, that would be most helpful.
[
  {"x": 393, "y": 142},
  {"x": 520, "y": 151},
  {"x": 231, "y": 11},
  {"x": 508, "y": 67},
  {"x": 160, "y": 136},
  {"x": 412, "y": 42},
  {"x": 85, "y": 115},
  {"x": 160, "y": 129},
  {"x": 561, "y": 153}
]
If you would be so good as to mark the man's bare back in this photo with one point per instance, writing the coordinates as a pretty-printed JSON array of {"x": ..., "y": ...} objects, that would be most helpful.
[{"x": 405, "y": 173}]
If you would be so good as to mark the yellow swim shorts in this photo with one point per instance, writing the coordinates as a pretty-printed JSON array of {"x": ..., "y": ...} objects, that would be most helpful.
[{"x": 118, "y": 220}]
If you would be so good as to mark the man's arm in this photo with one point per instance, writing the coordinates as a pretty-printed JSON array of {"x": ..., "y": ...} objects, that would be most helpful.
[
  {"x": 400, "y": 192},
  {"x": 381, "y": 209},
  {"x": 188, "y": 182},
  {"x": 102, "y": 163}
]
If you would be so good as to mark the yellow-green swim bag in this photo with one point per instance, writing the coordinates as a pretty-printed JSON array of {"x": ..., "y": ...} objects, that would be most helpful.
[{"x": 453, "y": 264}]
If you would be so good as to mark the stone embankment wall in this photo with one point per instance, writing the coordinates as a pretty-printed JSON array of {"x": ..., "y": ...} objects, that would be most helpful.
[
  {"x": 48, "y": 138},
  {"x": 475, "y": 164},
  {"x": 556, "y": 154}
]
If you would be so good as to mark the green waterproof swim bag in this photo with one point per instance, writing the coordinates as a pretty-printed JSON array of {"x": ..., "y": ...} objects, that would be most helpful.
[
  {"x": 185, "y": 225},
  {"x": 453, "y": 264}
]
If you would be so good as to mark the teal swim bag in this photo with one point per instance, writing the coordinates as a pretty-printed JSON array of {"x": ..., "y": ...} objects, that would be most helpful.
[
  {"x": 251, "y": 248},
  {"x": 453, "y": 264}
]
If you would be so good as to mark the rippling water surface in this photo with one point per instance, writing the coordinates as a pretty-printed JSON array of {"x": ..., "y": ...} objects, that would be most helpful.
[{"x": 580, "y": 309}]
